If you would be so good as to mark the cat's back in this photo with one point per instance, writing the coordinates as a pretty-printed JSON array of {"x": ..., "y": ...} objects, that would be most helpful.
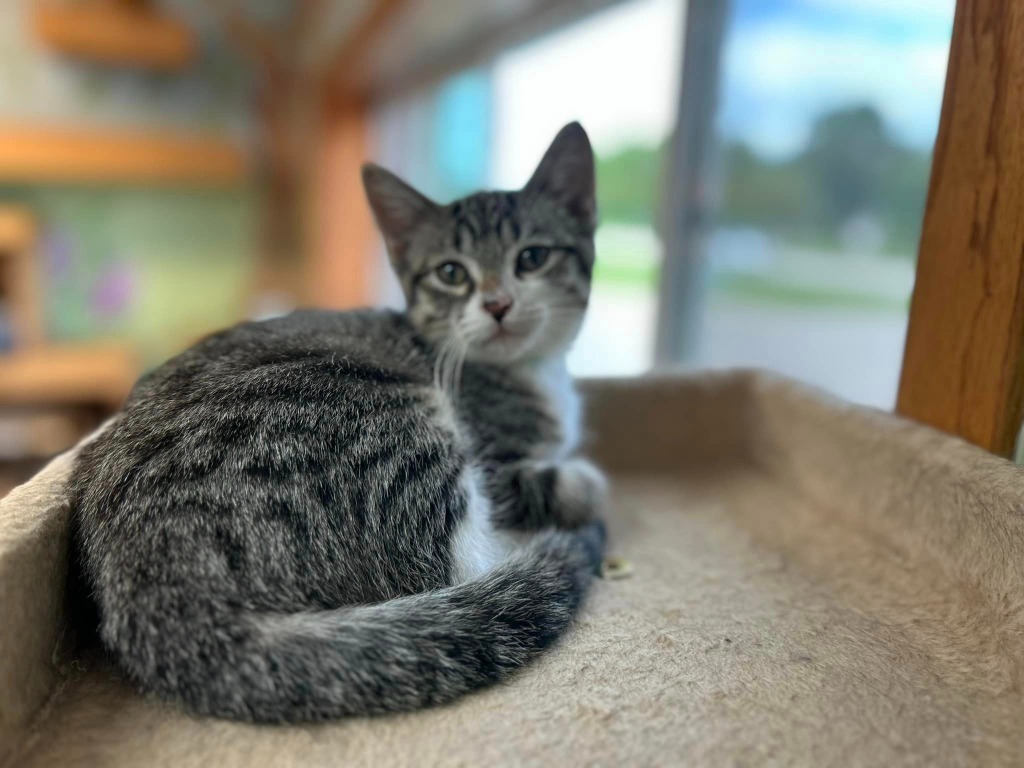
[
  {"x": 267, "y": 397},
  {"x": 346, "y": 345}
]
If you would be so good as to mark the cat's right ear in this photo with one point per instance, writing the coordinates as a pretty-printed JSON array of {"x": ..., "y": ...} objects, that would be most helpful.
[{"x": 398, "y": 209}]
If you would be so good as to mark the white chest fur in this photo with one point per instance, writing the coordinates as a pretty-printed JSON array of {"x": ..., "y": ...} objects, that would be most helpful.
[
  {"x": 477, "y": 546},
  {"x": 553, "y": 380}
]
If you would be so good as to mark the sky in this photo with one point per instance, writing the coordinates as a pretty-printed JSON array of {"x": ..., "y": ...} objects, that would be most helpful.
[{"x": 785, "y": 63}]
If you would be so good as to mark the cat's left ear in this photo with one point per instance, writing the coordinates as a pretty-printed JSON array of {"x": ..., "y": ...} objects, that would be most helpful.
[{"x": 566, "y": 175}]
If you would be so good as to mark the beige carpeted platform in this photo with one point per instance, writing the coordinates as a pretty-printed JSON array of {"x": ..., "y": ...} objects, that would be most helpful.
[{"x": 813, "y": 584}]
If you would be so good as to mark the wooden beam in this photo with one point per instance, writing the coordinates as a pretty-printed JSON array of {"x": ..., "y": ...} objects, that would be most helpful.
[
  {"x": 963, "y": 368},
  {"x": 46, "y": 154},
  {"x": 340, "y": 270},
  {"x": 114, "y": 34}
]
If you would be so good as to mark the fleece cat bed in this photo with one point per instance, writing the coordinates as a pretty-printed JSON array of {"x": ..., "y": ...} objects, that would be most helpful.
[{"x": 812, "y": 583}]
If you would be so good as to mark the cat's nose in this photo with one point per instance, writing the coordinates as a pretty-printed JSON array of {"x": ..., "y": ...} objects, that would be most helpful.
[{"x": 498, "y": 307}]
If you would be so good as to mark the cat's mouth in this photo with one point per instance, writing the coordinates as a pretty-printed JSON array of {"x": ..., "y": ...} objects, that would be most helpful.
[
  {"x": 503, "y": 343},
  {"x": 503, "y": 333}
]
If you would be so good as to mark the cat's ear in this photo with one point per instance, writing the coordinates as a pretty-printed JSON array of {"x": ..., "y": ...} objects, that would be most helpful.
[
  {"x": 566, "y": 174},
  {"x": 398, "y": 209}
]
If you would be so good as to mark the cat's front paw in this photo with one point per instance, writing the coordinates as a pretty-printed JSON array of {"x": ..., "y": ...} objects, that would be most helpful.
[{"x": 581, "y": 491}]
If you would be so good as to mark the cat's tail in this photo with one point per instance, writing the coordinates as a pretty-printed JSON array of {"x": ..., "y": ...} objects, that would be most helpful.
[{"x": 399, "y": 655}]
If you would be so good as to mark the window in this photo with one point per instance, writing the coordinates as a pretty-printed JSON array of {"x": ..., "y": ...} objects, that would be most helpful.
[{"x": 827, "y": 112}]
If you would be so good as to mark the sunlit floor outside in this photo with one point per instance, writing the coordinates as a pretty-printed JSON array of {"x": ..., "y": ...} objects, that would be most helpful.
[
  {"x": 850, "y": 353},
  {"x": 835, "y": 320}
]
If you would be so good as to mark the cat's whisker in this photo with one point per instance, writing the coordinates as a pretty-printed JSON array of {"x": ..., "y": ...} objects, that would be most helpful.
[
  {"x": 442, "y": 365},
  {"x": 550, "y": 310},
  {"x": 449, "y": 362},
  {"x": 460, "y": 365},
  {"x": 462, "y": 351},
  {"x": 451, "y": 384},
  {"x": 437, "y": 365}
]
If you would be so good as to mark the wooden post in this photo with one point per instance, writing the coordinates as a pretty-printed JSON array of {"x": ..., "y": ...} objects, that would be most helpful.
[
  {"x": 343, "y": 234},
  {"x": 340, "y": 268},
  {"x": 317, "y": 232},
  {"x": 963, "y": 368}
]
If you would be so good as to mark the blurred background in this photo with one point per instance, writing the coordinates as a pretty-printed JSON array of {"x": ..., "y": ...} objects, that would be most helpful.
[{"x": 168, "y": 167}]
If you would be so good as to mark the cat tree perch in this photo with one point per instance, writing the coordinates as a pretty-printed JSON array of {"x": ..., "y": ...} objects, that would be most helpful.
[{"x": 813, "y": 583}]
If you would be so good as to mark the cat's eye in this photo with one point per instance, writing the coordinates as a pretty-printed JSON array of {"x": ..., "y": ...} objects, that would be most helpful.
[
  {"x": 531, "y": 259},
  {"x": 452, "y": 273}
]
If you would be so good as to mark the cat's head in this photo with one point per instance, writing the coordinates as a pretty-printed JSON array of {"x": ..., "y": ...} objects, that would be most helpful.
[{"x": 502, "y": 277}]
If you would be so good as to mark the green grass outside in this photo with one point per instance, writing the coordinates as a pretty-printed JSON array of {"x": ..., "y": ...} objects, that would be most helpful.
[
  {"x": 624, "y": 275},
  {"x": 755, "y": 288},
  {"x": 615, "y": 269}
]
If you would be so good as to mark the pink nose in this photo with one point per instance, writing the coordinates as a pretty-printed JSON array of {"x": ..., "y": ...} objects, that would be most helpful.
[{"x": 498, "y": 308}]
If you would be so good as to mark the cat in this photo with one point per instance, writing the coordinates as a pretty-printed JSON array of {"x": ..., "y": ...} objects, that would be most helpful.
[{"x": 355, "y": 513}]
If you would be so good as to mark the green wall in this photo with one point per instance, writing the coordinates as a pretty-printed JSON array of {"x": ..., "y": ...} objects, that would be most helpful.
[{"x": 152, "y": 266}]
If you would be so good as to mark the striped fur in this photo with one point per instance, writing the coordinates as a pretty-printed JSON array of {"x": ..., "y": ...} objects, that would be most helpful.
[{"x": 350, "y": 513}]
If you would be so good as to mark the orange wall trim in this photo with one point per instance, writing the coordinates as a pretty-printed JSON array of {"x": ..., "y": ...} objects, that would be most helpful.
[
  {"x": 110, "y": 33},
  {"x": 96, "y": 374},
  {"x": 31, "y": 153}
]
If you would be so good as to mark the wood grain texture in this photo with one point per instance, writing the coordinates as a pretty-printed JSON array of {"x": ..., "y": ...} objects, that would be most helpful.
[
  {"x": 49, "y": 154},
  {"x": 963, "y": 367}
]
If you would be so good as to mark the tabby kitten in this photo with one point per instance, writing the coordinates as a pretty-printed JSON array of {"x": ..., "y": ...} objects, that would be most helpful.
[{"x": 362, "y": 512}]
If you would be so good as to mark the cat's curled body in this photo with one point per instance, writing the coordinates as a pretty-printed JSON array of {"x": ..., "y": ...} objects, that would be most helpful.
[{"x": 303, "y": 518}]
